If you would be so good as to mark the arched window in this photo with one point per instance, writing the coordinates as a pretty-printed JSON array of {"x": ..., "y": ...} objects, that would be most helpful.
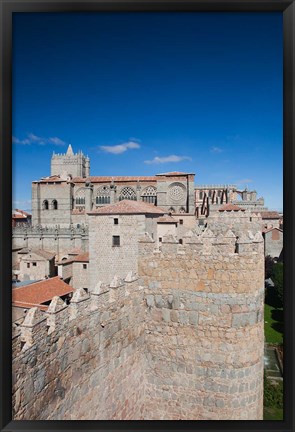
[
  {"x": 182, "y": 210},
  {"x": 80, "y": 198},
  {"x": 45, "y": 205},
  {"x": 149, "y": 195},
  {"x": 200, "y": 195},
  {"x": 102, "y": 195},
  {"x": 127, "y": 193},
  {"x": 171, "y": 210},
  {"x": 54, "y": 205}
]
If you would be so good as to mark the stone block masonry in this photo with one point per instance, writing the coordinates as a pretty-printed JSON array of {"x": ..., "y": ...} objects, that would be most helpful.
[
  {"x": 204, "y": 325},
  {"x": 83, "y": 361},
  {"x": 184, "y": 341}
]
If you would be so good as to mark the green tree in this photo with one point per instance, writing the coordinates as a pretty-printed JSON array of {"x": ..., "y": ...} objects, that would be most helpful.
[
  {"x": 278, "y": 280},
  {"x": 269, "y": 263}
]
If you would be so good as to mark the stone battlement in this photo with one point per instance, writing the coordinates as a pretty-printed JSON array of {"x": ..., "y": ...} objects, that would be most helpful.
[
  {"x": 63, "y": 357},
  {"x": 38, "y": 325},
  {"x": 206, "y": 243},
  {"x": 182, "y": 340}
]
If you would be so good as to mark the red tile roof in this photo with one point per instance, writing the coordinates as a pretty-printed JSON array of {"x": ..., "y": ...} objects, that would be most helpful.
[
  {"x": 269, "y": 214},
  {"x": 50, "y": 179},
  {"x": 23, "y": 212},
  {"x": 40, "y": 252},
  {"x": 75, "y": 251},
  {"x": 18, "y": 216},
  {"x": 230, "y": 207},
  {"x": 82, "y": 257},
  {"x": 78, "y": 211},
  {"x": 108, "y": 179},
  {"x": 128, "y": 207},
  {"x": 40, "y": 292}
]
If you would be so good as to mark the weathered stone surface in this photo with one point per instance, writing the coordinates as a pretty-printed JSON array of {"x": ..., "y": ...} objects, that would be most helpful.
[{"x": 188, "y": 345}]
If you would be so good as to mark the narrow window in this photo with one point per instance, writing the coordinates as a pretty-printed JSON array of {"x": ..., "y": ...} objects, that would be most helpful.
[
  {"x": 180, "y": 241},
  {"x": 116, "y": 221},
  {"x": 34, "y": 264},
  {"x": 160, "y": 239},
  {"x": 54, "y": 205},
  {"x": 45, "y": 205},
  {"x": 28, "y": 265},
  {"x": 180, "y": 221},
  {"x": 201, "y": 195},
  {"x": 116, "y": 240},
  {"x": 85, "y": 266}
]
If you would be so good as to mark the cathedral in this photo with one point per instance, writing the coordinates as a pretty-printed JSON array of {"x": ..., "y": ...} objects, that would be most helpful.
[
  {"x": 69, "y": 193},
  {"x": 67, "y": 196}
]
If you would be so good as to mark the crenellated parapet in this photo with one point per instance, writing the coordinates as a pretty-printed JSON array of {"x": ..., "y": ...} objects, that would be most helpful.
[
  {"x": 65, "y": 357},
  {"x": 59, "y": 316},
  {"x": 205, "y": 243},
  {"x": 205, "y": 303},
  {"x": 181, "y": 338}
]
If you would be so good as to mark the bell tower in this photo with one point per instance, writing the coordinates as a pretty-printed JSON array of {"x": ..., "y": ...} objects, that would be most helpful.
[{"x": 69, "y": 163}]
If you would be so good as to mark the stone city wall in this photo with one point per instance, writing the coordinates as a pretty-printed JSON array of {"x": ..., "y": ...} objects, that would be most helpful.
[
  {"x": 189, "y": 345},
  {"x": 238, "y": 221},
  {"x": 83, "y": 361},
  {"x": 53, "y": 239},
  {"x": 204, "y": 324}
]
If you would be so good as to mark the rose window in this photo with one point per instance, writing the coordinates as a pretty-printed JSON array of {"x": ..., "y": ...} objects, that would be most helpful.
[{"x": 177, "y": 192}]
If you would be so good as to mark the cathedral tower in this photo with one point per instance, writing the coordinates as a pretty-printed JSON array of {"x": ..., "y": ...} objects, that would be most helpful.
[{"x": 76, "y": 165}]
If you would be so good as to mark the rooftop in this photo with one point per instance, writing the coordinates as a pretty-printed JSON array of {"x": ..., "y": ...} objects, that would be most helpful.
[
  {"x": 230, "y": 207},
  {"x": 50, "y": 179},
  {"x": 109, "y": 179},
  {"x": 36, "y": 294},
  {"x": 82, "y": 257},
  {"x": 269, "y": 214},
  {"x": 266, "y": 230},
  {"x": 42, "y": 253},
  {"x": 128, "y": 207}
]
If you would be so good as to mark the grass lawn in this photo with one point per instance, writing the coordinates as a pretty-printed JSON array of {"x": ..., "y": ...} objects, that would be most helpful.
[
  {"x": 273, "y": 324},
  {"x": 273, "y": 413}
]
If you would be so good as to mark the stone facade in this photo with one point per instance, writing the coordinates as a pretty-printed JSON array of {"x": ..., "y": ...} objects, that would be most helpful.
[
  {"x": 70, "y": 192},
  {"x": 83, "y": 361},
  {"x": 273, "y": 242},
  {"x": 209, "y": 198},
  {"x": 59, "y": 240},
  {"x": 36, "y": 265}
]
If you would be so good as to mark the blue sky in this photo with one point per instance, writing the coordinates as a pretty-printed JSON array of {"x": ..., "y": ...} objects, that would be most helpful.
[{"x": 145, "y": 93}]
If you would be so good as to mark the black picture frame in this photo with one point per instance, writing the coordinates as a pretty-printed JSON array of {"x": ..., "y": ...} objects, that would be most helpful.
[{"x": 7, "y": 8}]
